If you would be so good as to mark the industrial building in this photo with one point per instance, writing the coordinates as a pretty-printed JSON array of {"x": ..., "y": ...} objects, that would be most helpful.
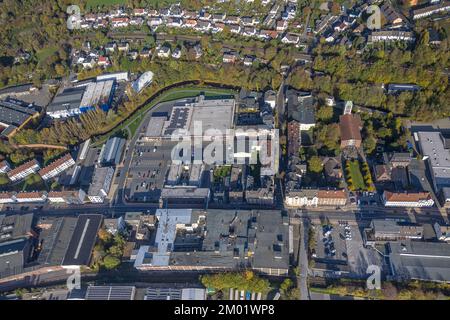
[
  {"x": 175, "y": 294},
  {"x": 67, "y": 241},
  {"x": 436, "y": 150},
  {"x": 82, "y": 98},
  {"x": 235, "y": 239},
  {"x": 98, "y": 94},
  {"x": 143, "y": 81},
  {"x": 66, "y": 104},
  {"x": 100, "y": 185},
  {"x": 111, "y": 152},
  {"x": 200, "y": 115},
  {"x": 418, "y": 260},
  {"x": 14, "y": 114},
  {"x": 15, "y": 234}
]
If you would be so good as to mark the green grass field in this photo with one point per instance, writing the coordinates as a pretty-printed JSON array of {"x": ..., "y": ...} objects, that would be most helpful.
[
  {"x": 355, "y": 174},
  {"x": 43, "y": 54},
  {"x": 95, "y": 3}
]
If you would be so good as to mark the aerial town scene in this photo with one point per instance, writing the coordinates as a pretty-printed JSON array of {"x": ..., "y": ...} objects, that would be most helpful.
[{"x": 225, "y": 150}]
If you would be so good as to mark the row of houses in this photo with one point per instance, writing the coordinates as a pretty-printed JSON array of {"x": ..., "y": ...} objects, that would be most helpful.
[
  {"x": 68, "y": 197},
  {"x": 202, "y": 21},
  {"x": 315, "y": 198},
  {"x": 50, "y": 171}
]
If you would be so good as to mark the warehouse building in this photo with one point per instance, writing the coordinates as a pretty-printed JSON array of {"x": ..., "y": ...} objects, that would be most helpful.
[
  {"x": 111, "y": 152},
  {"x": 220, "y": 240},
  {"x": 77, "y": 100},
  {"x": 98, "y": 94},
  {"x": 100, "y": 185},
  {"x": 66, "y": 104},
  {"x": 419, "y": 260},
  {"x": 14, "y": 114}
]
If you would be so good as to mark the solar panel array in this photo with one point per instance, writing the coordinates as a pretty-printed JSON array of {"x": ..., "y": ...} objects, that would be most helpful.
[
  {"x": 110, "y": 293},
  {"x": 162, "y": 294}
]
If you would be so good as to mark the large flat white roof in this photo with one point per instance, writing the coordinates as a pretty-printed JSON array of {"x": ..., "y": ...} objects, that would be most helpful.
[{"x": 432, "y": 146}]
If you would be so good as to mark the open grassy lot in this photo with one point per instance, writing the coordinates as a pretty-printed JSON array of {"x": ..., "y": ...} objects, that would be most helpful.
[
  {"x": 95, "y": 3},
  {"x": 355, "y": 179}
]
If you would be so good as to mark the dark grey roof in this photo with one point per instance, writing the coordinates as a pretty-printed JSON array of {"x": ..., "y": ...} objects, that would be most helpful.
[
  {"x": 83, "y": 240},
  {"x": 417, "y": 176},
  {"x": 300, "y": 106},
  {"x": 396, "y": 87},
  {"x": 12, "y": 257},
  {"x": 15, "y": 112},
  {"x": 55, "y": 240},
  {"x": 69, "y": 99},
  {"x": 163, "y": 294},
  {"x": 15, "y": 226},
  {"x": 113, "y": 151},
  {"x": 420, "y": 260}
]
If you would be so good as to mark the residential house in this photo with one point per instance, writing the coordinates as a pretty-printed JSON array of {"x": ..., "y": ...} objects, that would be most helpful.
[
  {"x": 229, "y": 57},
  {"x": 7, "y": 197},
  {"x": 155, "y": 22},
  {"x": 391, "y": 35},
  {"x": 290, "y": 38},
  {"x": 302, "y": 198},
  {"x": 4, "y": 166},
  {"x": 350, "y": 126},
  {"x": 407, "y": 199},
  {"x": 332, "y": 197},
  {"x": 22, "y": 197},
  {"x": 427, "y": 11},
  {"x": 382, "y": 173},
  {"x": 163, "y": 51},
  {"x": 23, "y": 170},
  {"x": 294, "y": 138},
  {"x": 123, "y": 47},
  {"x": 235, "y": 28},
  {"x": 67, "y": 196},
  {"x": 56, "y": 167}
]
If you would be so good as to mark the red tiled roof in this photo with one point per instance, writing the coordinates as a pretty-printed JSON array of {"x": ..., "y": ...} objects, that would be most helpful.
[
  {"x": 55, "y": 164},
  {"x": 22, "y": 167},
  {"x": 29, "y": 195},
  {"x": 6, "y": 195},
  {"x": 349, "y": 126},
  {"x": 332, "y": 194},
  {"x": 406, "y": 196}
]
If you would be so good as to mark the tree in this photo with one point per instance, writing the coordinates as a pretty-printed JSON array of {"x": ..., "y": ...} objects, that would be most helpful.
[
  {"x": 110, "y": 262},
  {"x": 315, "y": 164},
  {"x": 104, "y": 235},
  {"x": 325, "y": 113},
  {"x": 3, "y": 179}
]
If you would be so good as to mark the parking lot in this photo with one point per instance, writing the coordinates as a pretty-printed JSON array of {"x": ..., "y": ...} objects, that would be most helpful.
[
  {"x": 148, "y": 170},
  {"x": 359, "y": 257},
  {"x": 330, "y": 246},
  {"x": 343, "y": 243}
]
